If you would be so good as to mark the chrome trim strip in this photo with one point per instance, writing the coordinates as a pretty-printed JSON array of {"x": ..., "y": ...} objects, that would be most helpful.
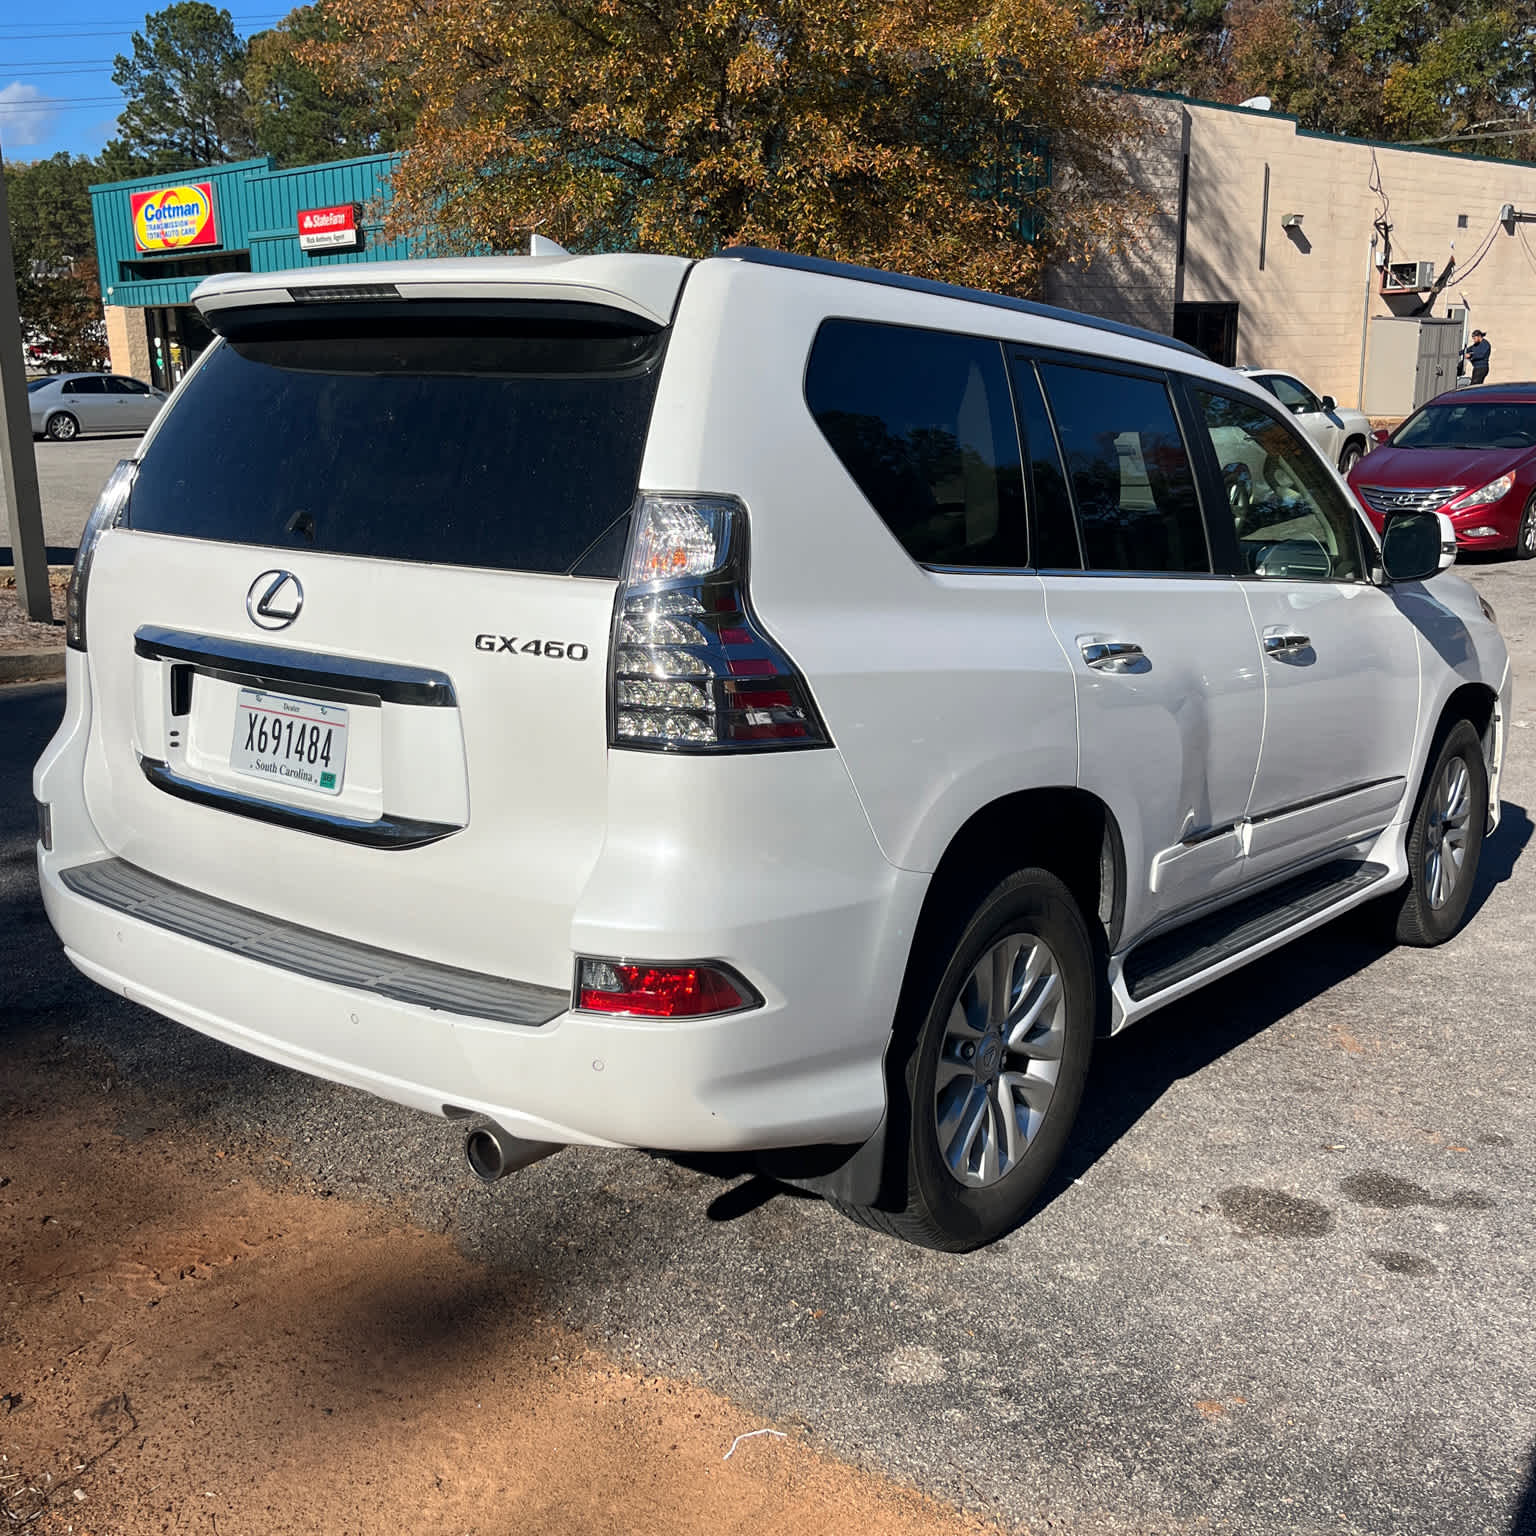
[
  {"x": 308, "y": 952},
  {"x": 244, "y": 660},
  {"x": 390, "y": 832},
  {"x": 1333, "y": 794},
  {"x": 1209, "y": 834}
]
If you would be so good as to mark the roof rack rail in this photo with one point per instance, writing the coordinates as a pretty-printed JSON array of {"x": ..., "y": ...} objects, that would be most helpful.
[{"x": 762, "y": 257}]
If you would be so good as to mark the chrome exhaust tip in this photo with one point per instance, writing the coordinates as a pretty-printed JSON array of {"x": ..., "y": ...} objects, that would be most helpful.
[{"x": 492, "y": 1153}]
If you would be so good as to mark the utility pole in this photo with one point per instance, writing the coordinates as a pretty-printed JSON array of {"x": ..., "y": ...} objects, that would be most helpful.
[{"x": 18, "y": 460}]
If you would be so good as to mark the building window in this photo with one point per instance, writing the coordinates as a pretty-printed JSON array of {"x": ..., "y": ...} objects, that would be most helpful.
[
  {"x": 1209, "y": 328},
  {"x": 164, "y": 268}
]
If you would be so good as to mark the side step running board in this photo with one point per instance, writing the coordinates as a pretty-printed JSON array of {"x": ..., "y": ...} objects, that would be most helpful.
[{"x": 1169, "y": 958}]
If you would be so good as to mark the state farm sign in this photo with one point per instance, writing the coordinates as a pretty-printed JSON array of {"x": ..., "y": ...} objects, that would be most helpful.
[{"x": 329, "y": 229}]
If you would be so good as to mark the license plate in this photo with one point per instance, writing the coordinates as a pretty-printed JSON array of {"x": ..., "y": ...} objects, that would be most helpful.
[{"x": 296, "y": 742}]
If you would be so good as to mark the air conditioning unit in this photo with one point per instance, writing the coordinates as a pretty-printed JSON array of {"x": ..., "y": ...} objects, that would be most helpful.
[{"x": 1408, "y": 277}]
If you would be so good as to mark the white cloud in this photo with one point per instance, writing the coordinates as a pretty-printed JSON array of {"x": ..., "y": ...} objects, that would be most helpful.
[{"x": 25, "y": 116}]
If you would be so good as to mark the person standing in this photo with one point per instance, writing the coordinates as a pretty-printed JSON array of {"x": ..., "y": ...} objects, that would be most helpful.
[{"x": 1477, "y": 355}]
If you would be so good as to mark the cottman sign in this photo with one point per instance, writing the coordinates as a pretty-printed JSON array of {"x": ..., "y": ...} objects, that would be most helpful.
[
  {"x": 330, "y": 229},
  {"x": 174, "y": 218}
]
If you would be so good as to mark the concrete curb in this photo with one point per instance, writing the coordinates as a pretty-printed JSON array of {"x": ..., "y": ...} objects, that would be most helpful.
[{"x": 28, "y": 666}]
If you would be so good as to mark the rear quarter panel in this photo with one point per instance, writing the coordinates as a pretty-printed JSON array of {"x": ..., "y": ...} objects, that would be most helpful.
[{"x": 942, "y": 692}]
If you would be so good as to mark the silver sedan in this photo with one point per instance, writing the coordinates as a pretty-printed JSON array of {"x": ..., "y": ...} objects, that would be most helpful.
[{"x": 67, "y": 404}]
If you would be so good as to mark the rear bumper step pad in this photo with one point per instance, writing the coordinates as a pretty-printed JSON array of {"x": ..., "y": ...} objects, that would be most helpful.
[
  {"x": 1170, "y": 958},
  {"x": 138, "y": 894}
]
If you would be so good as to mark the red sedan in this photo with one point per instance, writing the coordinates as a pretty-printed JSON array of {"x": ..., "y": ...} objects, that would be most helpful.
[{"x": 1470, "y": 454}]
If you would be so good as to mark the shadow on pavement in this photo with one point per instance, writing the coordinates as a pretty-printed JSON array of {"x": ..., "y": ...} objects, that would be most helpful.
[
  {"x": 1524, "y": 1523},
  {"x": 1500, "y": 854},
  {"x": 1133, "y": 1071}
]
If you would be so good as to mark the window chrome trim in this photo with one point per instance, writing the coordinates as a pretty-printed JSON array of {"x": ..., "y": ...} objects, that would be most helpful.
[
  {"x": 388, "y": 832},
  {"x": 367, "y": 682}
]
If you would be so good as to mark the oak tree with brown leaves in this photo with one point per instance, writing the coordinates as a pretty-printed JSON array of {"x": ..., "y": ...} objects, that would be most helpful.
[{"x": 954, "y": 140}]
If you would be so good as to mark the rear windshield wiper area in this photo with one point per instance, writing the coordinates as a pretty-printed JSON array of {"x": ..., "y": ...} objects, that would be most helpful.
[{"x": 499, "y": 436}]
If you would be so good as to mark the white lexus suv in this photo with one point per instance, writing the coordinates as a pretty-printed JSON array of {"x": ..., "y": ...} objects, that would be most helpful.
[{"x": 748, "y": 704}]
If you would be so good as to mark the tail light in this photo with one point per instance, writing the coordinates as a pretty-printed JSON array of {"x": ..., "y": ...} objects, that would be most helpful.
[
  {"x": 663, "y": 991},
  {"x": 1380, "y": 435},
  {"x": 110, "y": 511},
  {"x": 693, "y": 670}
]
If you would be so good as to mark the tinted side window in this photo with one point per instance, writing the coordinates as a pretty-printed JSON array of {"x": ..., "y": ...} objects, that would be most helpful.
[
  {"x": 1291, "y": 521},
  {"x": 92, "y": 385},
  {"x": 1136, "y": 501},
  {"x": 121, "y": 386},
  {"x": 923, "y": 422},
  {"x": 1054, "y": 528}
]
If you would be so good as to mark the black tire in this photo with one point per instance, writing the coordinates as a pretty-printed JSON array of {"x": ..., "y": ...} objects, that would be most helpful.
[
  {"x": 929, "y": 1203},
  {"x": 1354, "y": 451},
  {"x": 1525, "y": 537},
  {"x": 1414, "y": 914},
  {"x": 62, "y": 427}
]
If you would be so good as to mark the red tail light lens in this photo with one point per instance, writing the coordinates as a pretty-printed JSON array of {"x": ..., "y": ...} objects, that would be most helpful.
[
  {"x": 693, "y": 668},
  {"x": 1380, "y": 435},
  {"x": 661, "y": 991}
]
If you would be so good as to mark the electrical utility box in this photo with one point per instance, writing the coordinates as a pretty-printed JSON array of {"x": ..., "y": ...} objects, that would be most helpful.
[{"x": 1410, "y": 361}]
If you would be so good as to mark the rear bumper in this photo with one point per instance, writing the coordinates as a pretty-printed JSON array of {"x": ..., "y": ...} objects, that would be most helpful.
[
  {"x": 806, "y": 1068},
  {"x": 743, "y": 1081}
]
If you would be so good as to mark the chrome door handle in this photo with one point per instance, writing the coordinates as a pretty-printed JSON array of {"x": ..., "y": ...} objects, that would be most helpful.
[
  {"x": 1280, "y": 641},
  {"x": 1110, "y": 655}
]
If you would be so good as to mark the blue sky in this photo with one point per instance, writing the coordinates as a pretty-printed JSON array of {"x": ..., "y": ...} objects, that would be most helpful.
[{"x": 56, "y": 88}]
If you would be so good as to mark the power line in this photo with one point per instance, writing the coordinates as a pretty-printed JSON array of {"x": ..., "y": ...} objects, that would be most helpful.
[
  {"x": 6, "y": 108},
  {"x": 22, "y": 69},
  {"x": 1469, "y": 138},
  {"x": 48, "y": 103},
  {"x": 66, "y": 27},
  {"x": 46, "y": 37}
]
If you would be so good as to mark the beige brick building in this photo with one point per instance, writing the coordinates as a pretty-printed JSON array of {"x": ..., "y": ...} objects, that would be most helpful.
[{"x": 1261, "y": 250}]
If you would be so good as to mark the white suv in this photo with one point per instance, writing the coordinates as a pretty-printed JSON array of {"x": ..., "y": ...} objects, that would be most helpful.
[{"x": 745, "y": 704}]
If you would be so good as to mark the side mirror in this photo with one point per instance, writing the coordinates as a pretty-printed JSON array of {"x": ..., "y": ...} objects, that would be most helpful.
[
  {"x": 1418, "y": 545},
  {"x": 1329, "y": 403}
]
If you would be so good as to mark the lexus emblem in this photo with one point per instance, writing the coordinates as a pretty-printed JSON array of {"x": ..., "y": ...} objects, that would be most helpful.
[{"x": 275, "y": 600}]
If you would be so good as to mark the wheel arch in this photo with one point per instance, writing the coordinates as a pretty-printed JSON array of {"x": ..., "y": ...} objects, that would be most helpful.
[
  {"x": 1066, "y": 830},
  {"x": 1477, "y": 703},
  {"x": 1063, "y": 829}
]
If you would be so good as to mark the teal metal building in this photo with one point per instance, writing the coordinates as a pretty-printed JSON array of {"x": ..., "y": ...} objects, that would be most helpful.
[{"x": 159, "y": 236}]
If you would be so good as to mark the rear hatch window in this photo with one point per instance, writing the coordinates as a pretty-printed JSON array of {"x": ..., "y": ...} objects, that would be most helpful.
[{"x": 500, "y": 440}]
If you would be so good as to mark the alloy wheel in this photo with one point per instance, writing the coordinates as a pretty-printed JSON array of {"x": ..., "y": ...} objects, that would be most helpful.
[
  {"x": 1445, "y": 839},
  {"x": 999, "y": 1059}
]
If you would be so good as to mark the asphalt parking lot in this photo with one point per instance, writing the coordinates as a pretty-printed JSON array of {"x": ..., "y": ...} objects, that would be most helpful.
[
  {"x": 1284, "y": 1282},
  {"x": 69, "y": 476}
]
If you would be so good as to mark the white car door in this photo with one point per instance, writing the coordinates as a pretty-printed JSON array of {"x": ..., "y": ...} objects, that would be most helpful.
[
  {"x": 1306, "y": 410},
  {"x": 1170, "y": 695},
  {"x": 1340, "y": 662}
]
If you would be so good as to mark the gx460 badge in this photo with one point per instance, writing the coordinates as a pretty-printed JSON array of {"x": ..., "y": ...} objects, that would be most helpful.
[{"x": 555, "y": 650}]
